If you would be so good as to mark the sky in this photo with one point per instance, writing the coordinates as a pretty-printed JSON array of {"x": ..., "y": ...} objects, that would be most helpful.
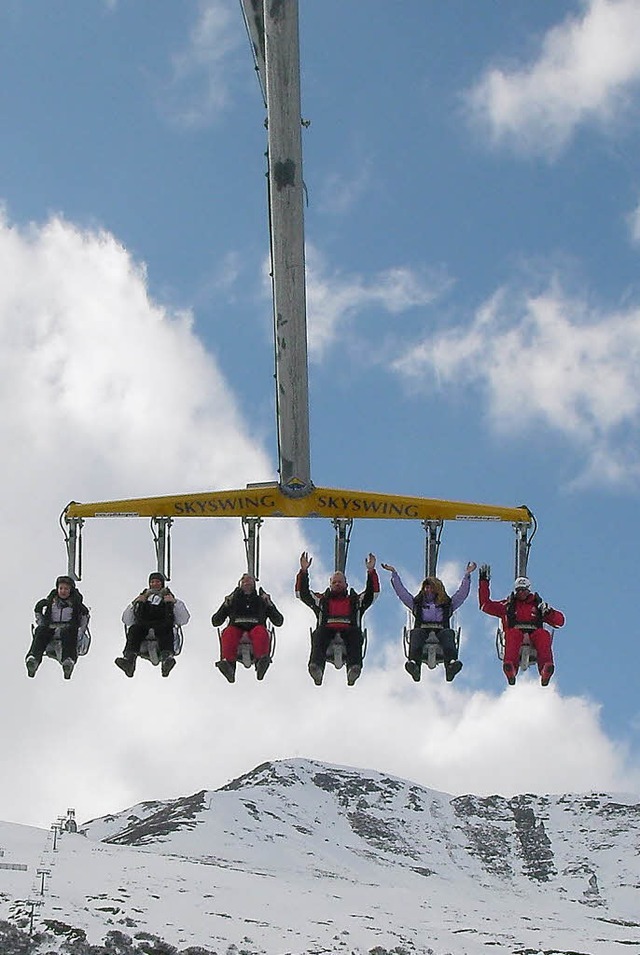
[{"x": 472, "y": 244}]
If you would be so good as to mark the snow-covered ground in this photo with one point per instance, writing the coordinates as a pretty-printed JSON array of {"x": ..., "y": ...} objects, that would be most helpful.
[{"x": 300, "y": 857}]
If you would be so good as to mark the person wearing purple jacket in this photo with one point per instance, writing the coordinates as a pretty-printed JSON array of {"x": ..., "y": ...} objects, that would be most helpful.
[{"x": 432, "y": 609}]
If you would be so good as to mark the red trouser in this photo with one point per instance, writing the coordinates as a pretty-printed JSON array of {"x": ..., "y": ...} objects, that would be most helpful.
[
  {"x": 540, "y": 639},
  {"x": 231, "y": 637}
]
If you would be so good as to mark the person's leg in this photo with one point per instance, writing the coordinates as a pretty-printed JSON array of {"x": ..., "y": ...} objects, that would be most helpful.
[
  {"x": 229, "y": 640},
  {"x": 452, "y": 665},
  {"x": 260, "y": 641},
  {"x": 541, "y": 640},
  {"x": 136, "y": 633},
  {"x": 41, "y": 637},
  {"x": 353, "y": 641},
  {"x": 417, "y": 637},
  {"x": 512, "y": 645},
  {"x": 320, "y": 640},
  {"x": 69, "y": 638}
]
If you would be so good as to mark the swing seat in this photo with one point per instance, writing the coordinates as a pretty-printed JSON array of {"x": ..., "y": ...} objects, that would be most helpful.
[
  {"x": 528, "y": 653},
  {"x": 432, "y": 653},
  {"x": 149, "y": 646},
  {"x": 246, "y": 655},
  {"x": 54, "y": 647}
]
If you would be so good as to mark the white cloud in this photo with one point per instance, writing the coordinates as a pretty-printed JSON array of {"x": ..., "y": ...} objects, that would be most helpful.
[
  {"x": 555, "y": 361},
  {"x": 586, "y": 70},
  {"x": 633, "y": 222},
  {"x": 335, "y": 300},
  {"x": 339, "y": 193},
  {"x": 106, "y": 394},
  {"x": 198, "y": 90}
]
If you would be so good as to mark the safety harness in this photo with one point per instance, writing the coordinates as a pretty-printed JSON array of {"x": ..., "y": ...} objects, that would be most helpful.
[
  {"x": 510, "y": 614},
  {"x": 418, "y": 603}
]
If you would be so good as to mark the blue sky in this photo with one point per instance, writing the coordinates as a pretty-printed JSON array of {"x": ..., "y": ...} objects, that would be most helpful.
[{"x": 473, "y": 231}]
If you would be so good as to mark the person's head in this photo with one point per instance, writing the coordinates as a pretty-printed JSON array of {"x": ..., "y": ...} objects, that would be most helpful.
[
  {"x": 521, "y": 587},
  {"x": 433, "y": 589},
  {"x": 65, "y": 586},
  {"x": 157, "y": 580},
  {"x": 338, "y": 583},
  {"x": 247, "y": 584}
]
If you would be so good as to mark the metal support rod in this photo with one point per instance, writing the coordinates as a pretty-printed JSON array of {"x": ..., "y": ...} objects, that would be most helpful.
[
  {"x": 432, "y": 546},
  {"x": 72, "y": 530},
  {"x": 523, "y": 545},
  {"x": 161, "y": 530},
  {"x": 343, "y": 526},
  {"x": 286, "y": 214},
  {"x": 251, "y": 528}
]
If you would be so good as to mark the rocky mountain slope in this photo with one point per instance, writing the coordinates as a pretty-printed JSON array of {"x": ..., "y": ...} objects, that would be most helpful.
[{"x": 301, "y": 857}]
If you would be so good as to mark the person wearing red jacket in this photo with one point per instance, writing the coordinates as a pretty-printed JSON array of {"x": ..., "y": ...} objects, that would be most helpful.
[
  {"x": 522, "y": 613},
  {"x": 337, "y": 610}
]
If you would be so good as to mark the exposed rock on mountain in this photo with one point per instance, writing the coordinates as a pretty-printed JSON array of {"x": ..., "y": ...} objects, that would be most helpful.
[{"x": 301, "y": 857}]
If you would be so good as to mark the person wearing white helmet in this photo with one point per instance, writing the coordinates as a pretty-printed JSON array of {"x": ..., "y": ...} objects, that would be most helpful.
[{"x": 522, "y": 613}]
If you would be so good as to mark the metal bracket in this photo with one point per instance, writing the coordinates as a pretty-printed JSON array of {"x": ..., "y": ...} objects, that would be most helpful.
[
  {"x": 523, "y": 545},
  {"x": 72, "y": 530},
  {"x": 432, "y": 546},
  {"x": 251, "y": 528},
  {"x": 161, "y": 530},
  {"x": 343, "y": 526}
]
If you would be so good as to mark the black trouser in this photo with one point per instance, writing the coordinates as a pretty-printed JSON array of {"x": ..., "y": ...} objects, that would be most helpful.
[
  {"x": 43, "y": 634},
  {"x": 138, "y": 632},
  {"x": 322, "y": 637},
  {"x": 446, "y": 639}
]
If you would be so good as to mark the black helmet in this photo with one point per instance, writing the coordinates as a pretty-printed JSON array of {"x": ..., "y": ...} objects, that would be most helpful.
[
  {"x": 157, "y": 575},
  {"x": 63, "y": 579}
]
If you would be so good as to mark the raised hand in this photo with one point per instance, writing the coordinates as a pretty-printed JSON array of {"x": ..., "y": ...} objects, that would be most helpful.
[{"x": 305, "y": 560}]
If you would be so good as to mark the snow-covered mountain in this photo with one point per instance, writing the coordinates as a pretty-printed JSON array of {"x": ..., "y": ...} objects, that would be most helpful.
[{"x": 302, "y": 857}]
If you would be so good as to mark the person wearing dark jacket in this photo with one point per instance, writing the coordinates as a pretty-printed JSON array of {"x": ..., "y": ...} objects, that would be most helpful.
[
  {"x": 63, "y": 611},
  {"x": 157, "y": 609},
  {"x": 522, "y": 613},
  {"x": 338, "y": 610},
  {"x": 247, "y": 611}
]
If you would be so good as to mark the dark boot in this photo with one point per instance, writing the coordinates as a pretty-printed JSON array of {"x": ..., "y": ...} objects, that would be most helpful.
[
  {"x": 32, "y": 664},
  {"x": 228, "y": 669},
  {"x": 67, "y": 667},
  {"x": 451, "y": 668},
  {"x": 546, "y": 673},
  {"x": 413, "y": 669},
  {"x": 316, "y": 672},
  {"x": 353, "y": 673},
  {"x": 510, "y": 673},
  {"x": 262, "y": 665},
  {"x": 167, "y": 665},
  {"x": 127, "y": 664}
]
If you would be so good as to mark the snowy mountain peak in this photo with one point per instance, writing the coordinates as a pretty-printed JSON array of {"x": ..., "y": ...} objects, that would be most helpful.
[{"x": 301, "y": 856}]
